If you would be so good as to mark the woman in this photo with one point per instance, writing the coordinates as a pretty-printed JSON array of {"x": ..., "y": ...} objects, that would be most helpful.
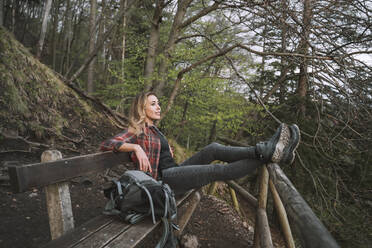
[{"x": 150, "y": 150}]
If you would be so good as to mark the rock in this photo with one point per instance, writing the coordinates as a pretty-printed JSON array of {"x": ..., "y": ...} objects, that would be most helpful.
[
  {"x": 82, "y": 181},
  {"x": 189, "y": 241},
  {"x": 33, "y": 194}
]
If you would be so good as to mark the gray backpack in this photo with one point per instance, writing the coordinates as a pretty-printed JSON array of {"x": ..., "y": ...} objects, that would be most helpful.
[{"x": 136, "y": 195}]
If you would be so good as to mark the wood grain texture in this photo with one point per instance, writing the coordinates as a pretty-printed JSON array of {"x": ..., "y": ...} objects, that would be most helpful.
[
  {"x": 58, "y": 201},
  {"x": 283, "y": 220},
  {"x": 263, "y": 224},
  {"x": 26, "y": 177},
  {"x": 189, "y": 209},
  {"x": 81, "y": 233}
]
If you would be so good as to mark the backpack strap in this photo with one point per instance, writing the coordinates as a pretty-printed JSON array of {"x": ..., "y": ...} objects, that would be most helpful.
[
  {"x": 135, "y": 218},
  {"x": 171, "y": 202},
  {"x": 110, "y": 205},
  {"x": 170, "y": 213},
  {"x": 150, "y": 201},
  {"x": 165, "y": 234}
]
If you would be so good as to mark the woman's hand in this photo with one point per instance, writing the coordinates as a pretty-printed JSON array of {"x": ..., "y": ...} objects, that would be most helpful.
[
  {"x": 143, "y": 160},
  {"x": 171, "y": 151}
]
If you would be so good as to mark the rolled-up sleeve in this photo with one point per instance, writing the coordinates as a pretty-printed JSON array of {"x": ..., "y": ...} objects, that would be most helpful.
[{"x": 114, "y": 143}]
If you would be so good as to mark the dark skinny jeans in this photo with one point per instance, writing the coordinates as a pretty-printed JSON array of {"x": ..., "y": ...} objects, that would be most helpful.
[{"x": 198, "y": 171}]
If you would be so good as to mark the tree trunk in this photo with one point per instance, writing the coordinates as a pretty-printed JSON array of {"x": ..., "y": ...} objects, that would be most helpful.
[
  {"x": 25, "y": 24},
  {"x": 180, "y": 74},
  {"x": 173, "y": 35},
  {"x": 66, "y": 37},
  {"x": 123, "y": 43},
  {"x": 153, "y": 44},
  {"x": 1, "y": 13},
  {"x": 44, "y": 26},
  {"x": 213, "y": 132},
  {"x": 263, "y": 62},
  {"x": 183, "y": 119},
  {"x": 177, "y": 26},
  {"x": 100, "y": 42},
  {"x": 283, "y": 60},
  {"x": 54, "y": 36},
  {"x": 303, "y": 49},
  {"x": 69, "y": 35},
  {"x": 92, "y": 39},
  {"x": 102, "y": 52},
  {"x": 13, "y": 15}
]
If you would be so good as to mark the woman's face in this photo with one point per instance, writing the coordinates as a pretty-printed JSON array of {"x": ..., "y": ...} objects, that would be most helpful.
[{"x": 152, "y": 109}]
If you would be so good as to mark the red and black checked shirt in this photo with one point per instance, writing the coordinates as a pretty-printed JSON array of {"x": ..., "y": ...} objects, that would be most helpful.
[{"x": 148, "y": 140}]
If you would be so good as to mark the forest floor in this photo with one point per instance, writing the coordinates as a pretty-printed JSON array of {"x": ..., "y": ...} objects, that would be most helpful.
[{"x": 24, "y": 220}]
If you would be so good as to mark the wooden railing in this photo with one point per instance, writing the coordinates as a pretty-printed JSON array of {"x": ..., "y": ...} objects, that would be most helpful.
[{"x": 292, "y": 210}]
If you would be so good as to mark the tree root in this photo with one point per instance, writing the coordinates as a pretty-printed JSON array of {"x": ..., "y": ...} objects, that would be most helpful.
[
  {"x": 17, "y": 137},
  {"x": 15, "y": 151},
  {"x": 119, "y": 118},
  {"x": 63, "y": 136}
]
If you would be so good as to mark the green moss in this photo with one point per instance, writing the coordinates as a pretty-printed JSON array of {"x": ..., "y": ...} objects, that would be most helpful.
[
  {"x": 59, "y": 123},
  {"x": 10, "y": 96}
]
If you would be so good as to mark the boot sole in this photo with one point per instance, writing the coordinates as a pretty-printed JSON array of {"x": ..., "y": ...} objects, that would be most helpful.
[
  {"x": 281, "y": 144},
  {"x": 289, "y": 153}
]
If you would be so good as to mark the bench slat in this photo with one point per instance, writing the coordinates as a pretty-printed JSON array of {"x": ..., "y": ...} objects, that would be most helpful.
[
  {"x": 134, "y": 235},
  {"x": 101, "y": 227},
  {"x": 28, "y": 176},
  {"x": 79, "y": 234},
  {"x": 105, "y": 235}
]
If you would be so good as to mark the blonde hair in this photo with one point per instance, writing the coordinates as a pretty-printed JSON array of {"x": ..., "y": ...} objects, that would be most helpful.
[{"x": 137, "y": 114}]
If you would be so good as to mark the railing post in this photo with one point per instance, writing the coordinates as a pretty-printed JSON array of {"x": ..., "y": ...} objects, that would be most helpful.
[
  {"x": 282, "y": 216},
  {"x": 58, "y": 201},
  {"x": 262, "y": 223}
]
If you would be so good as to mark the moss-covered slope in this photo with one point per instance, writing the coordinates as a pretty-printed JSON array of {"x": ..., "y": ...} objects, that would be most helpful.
[{"x": 36, "y": 106}]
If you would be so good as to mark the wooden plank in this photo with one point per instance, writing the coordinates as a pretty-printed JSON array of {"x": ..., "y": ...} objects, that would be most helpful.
[
  {"x": 188, "y": 208},
  {"x": 28, "y": 176},
  {"x": 105, "y": 235},
  {"x": 309, "y": 229},
  {"x": 58, "y": 201},
  {"x": 133, "y": 235},
  {"x": 81, "y": 233}
]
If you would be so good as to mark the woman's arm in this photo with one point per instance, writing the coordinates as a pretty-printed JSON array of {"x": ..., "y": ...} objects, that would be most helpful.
[
  {"x": 143, "y": 161},
  {"x": 127, "y": 142}
]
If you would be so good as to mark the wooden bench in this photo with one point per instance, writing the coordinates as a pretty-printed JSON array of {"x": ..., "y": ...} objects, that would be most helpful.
[{"x": 53, "y": 173}]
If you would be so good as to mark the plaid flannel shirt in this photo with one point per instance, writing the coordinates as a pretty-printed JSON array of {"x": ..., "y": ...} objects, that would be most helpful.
[{"x": 148, "y": 140}]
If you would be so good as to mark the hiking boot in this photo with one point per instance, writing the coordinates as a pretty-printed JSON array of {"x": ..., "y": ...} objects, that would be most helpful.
[
  {"x": 272, "y": 150},
  {"x": 289, "y": 150}
]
